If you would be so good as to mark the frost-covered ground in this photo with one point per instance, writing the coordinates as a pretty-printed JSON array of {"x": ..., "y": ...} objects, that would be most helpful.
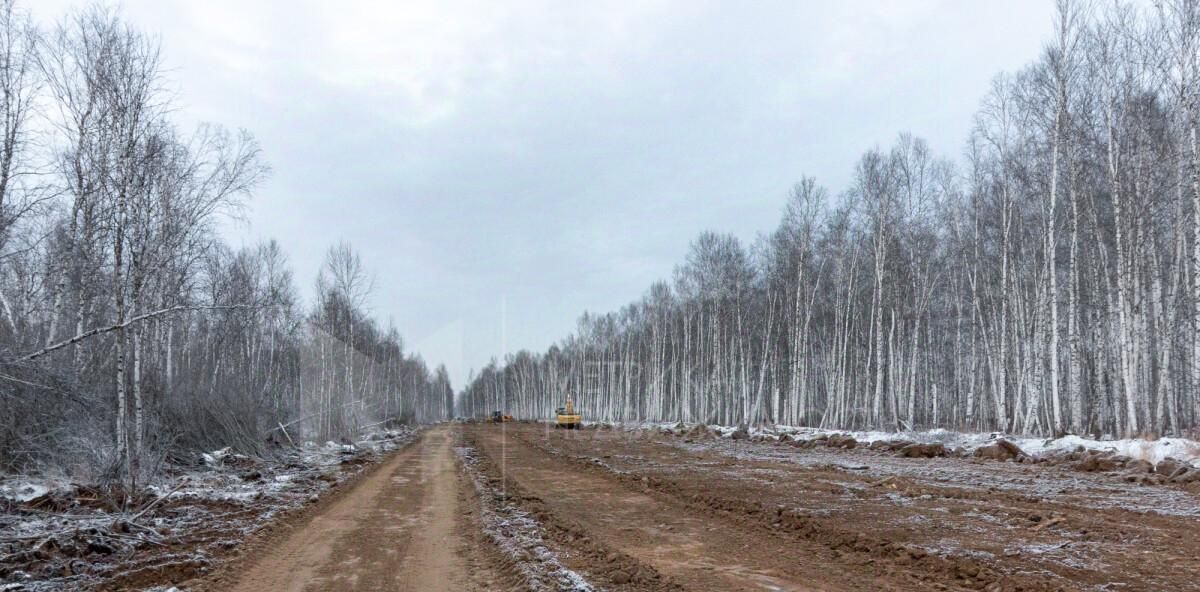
[
  {"x": 518, "y": 535},
  {"x": 1152, "y": 451},
  {"x": 57, "y": 535},
  {"x": 1069, "y": 519},
  {"x": 22, "y": 489},
  {"x": 1052, "y": 468}
]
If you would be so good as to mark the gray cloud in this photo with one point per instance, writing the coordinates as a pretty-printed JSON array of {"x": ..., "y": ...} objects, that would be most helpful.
[{"x": 560, "y": 156}]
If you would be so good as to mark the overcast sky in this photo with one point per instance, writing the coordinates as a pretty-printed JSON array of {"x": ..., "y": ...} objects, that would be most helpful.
[{"x": 512, "y": 164}]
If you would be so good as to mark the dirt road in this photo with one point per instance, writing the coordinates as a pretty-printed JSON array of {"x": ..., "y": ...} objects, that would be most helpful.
[
  {"x": 484, "y": 507},
  {"x": 398, "y": 529}
]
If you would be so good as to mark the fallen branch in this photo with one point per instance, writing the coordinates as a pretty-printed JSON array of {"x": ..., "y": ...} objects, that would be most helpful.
[
  {"x": 286, "y": 434},
  {"x": 371, "y": 425},
  {"x": 146, "y": 529},
  {"x": 130, "y": 537},
  {"x": 137, "y": 319},
  {"x": 26, "y": 382},
  {"x": 151, "y": 505},
  {"x": 27, "y": 537},
  {"x": 284, "y": 426}
]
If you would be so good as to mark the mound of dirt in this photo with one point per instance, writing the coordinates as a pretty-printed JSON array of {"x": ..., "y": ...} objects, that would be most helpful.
[
  {"x": 1169, "y": 466},
  {"x": 1185, "y": 475},
  {"x": 934, "y": 450},
  {"x": 889, "y": 445},
  {"x": 1139, "y": 467},
  {"x": 1099, "y": 462},
  {"x": 1001, "y": 450}
]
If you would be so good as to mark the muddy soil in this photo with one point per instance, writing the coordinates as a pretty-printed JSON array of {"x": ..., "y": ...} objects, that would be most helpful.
[
  {"x": 526, "y": 507},
  {"x": 723, "y": 514}
]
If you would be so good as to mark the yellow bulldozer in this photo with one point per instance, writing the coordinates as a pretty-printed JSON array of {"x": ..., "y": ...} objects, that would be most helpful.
[
  {"x": 500, "y": 417},
  {"x": 566, "y": 417}
]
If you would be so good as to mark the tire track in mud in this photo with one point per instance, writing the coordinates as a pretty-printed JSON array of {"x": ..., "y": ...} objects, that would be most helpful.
[
  {"x": 515, "y": 533},
  {"x": 610, "y": 526},
  {"x": 861, "y": 552},
  {"x": 565, "y": 540}
]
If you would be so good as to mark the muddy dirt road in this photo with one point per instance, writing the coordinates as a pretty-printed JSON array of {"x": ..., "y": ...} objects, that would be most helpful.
[
  {"x": 398, "y": 529},
  {"x": 521, "y": 506}
]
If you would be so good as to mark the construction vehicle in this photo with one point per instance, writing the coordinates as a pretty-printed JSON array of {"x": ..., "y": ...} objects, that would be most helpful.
[
  {"x": 566, "y": 417},
  {"x": 500, "y": 417}
]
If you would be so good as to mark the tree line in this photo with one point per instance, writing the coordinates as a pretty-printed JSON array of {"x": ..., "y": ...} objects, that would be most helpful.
[
  {"x": 130, "y": 333},
  {"x": 1046, "y": 282}
]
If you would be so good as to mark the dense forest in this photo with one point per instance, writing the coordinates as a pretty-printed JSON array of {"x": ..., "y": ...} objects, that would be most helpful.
[
  {"x": 1047, "y": 281},
  {"x": 130, "y": 333}
]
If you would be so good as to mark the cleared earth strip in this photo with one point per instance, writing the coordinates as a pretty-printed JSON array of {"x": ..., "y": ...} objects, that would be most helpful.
[
  {"x": 928, "y": 528},
  {"x": 901, "y": 561}
]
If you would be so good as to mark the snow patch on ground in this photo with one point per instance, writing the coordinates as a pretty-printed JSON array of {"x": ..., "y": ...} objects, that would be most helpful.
[
  {"x": 519, "y": 536},
  {"x": 217, "y": 457},
  {"x": 1153, "y": 451},
  {"x": 1086, "y": 489},
  {"x": 23, "y": 490}
]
